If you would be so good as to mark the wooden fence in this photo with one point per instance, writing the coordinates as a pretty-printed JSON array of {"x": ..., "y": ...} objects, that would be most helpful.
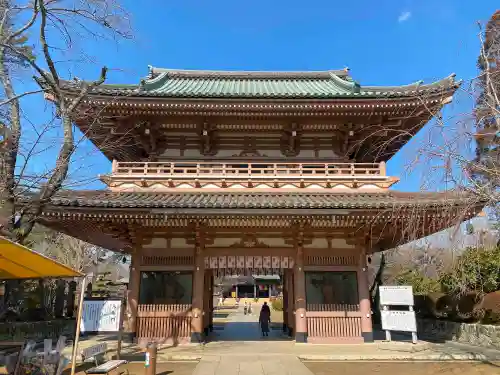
[{"x": 164, "y": 324}]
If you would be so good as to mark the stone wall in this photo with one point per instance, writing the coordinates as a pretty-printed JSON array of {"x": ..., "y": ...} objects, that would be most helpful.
[{"x": 484, "y": 335}]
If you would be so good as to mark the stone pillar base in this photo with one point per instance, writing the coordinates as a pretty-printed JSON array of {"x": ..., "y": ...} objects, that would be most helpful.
[
  {"x": 367, "y": 336},
  {"x": 128, "y": 337},
  {"x": 197, "y": 337},
  {"x": 301, "y": 337}
]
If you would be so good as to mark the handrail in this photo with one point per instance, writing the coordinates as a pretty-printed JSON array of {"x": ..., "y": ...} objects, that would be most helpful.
[{"x": 260, "y": 169}]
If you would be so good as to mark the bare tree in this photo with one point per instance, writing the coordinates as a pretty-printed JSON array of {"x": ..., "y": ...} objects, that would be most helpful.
[
  {"x": 38, "y": 36},
  {"x": 70, "y": 251},
  {"x": 486, "y": 166},
  {"x": 458, "y": 152}
]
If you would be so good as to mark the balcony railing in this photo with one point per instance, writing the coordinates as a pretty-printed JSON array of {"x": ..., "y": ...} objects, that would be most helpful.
[
  {"x": 260, "y": 170},
  {"x": 126, "y": 176}
]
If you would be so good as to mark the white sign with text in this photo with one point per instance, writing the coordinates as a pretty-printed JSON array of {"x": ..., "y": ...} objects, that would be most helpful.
[
  {"x": 404, "y": 321},
  {"x": 400, "y": 295},
  {"x": 101, "y": 316}
]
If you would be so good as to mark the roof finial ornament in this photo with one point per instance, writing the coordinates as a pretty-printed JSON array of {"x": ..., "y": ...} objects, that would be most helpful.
[{"x": 150, "y": 71}]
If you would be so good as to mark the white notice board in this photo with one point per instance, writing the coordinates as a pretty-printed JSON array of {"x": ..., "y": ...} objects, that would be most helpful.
[
  {"x": 399, "y": 321},
  {"x": 401, "y": 295},
  {"x": 101, "y": 316}
]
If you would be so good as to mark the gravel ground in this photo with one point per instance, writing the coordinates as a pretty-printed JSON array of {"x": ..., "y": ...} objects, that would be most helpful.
[{"x": 406, "y": 368}]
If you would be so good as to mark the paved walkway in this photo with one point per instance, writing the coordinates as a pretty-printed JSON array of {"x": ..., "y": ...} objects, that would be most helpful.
[
  {"x": 251, "y": 365},
  {"x": 240, "y": 327},
  {"x": 240, "y": 349}
]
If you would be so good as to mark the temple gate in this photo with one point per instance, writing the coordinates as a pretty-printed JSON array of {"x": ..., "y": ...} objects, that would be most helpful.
[{"x": 217, "y": 172}]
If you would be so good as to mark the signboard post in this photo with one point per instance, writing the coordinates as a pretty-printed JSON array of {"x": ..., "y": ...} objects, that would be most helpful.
[{"x": 398, "y": 320}]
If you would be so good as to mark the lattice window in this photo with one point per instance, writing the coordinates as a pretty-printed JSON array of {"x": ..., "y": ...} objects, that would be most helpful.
[
  {"x": 155, "y": 260},
  {"x": 336, "y": 260}
]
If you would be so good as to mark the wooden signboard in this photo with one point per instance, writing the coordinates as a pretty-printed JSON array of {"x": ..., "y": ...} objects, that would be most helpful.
[
  {"x": 398, "y": 295},
  {"x": 403, "y": 321}
]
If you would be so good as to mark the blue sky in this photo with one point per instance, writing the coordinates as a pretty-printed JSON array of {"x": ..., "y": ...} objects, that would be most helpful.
[{"x": 386, "y": 42}]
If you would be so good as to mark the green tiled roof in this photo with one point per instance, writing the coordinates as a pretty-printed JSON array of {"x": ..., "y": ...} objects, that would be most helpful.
[
  {"x": 200, "y": 200},
  {"x": 281, "y": 85}
]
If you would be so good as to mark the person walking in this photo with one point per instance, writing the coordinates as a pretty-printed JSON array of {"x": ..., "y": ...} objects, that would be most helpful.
[{"x": 265, "y": 319}]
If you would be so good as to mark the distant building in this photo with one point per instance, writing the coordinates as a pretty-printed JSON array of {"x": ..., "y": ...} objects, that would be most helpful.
[{"x": 255, "y": 286}]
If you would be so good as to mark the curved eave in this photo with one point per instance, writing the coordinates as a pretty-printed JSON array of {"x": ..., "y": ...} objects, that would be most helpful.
[
  {"x": 137, "y": 95},
  {"x": 345, "y": 103}
]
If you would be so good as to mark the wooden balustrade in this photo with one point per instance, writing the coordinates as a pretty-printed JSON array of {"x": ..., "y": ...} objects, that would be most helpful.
[
  {"x": 333, "y": 322},
  {"x": 331, "y": 307},
  {"x": 235, "y": 169},
  {"x": 164, "y": 323},
  {"x": 333, "y": 328}
]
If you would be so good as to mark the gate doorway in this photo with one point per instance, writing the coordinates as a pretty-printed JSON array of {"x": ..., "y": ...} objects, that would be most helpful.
[{"x": 237, "y": 297}]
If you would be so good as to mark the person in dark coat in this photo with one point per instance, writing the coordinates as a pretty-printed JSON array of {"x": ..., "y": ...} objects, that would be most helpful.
[{"x": 265, "y": 319}]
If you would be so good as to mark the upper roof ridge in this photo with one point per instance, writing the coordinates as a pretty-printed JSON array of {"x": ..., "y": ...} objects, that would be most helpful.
[{"x": 246, "y": 74}]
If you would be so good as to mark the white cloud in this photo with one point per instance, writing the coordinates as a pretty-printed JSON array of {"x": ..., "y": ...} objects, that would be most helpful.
[{"x": 405, "y": 16}]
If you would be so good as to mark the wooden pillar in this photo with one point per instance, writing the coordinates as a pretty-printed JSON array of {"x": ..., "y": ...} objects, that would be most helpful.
[
  {"x": 211, "y": 305},
  {"x": 207, "y": 297},
  {"x": 198, "y": 289},
  {"x": 133, "y": 296},
  {"x": 285, "y": 301},
  {"x": 291, "y": 303},
  {"x": 364, "y": 299},
  {"x": 300, "y": 297}
]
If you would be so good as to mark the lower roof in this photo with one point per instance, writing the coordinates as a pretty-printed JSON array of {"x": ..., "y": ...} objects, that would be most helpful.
[
  {"x": 100, "y": 199},
  {"x": 111, "y": 219}
]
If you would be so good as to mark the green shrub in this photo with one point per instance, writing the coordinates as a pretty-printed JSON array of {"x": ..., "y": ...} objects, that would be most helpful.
[
  {"x": 490, "y": 308},
  {"x": 490, "y": 317},
  {"x": 476, "y": 270},
  {"x": 433, "y": 305},
  {"x": 277, "y": 304},
  {"x": 465, "y": 307}
]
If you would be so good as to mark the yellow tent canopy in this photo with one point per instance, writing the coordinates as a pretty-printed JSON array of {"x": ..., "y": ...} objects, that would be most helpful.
[{"x": 19, "y": 262}]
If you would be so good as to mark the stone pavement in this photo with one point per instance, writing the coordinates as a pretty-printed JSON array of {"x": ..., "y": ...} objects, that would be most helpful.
[
  {"x": 240, "y": 327},
  {"x": 237, "y": 348},
  {"x": 251, "y": 365}
]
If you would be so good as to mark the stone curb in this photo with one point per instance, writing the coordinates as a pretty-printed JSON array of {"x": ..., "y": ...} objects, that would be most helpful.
[
  {"x": 405, "y": 348},
  {"x": 400, "y": 357},
  {"x": 178, "y": 358}
]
